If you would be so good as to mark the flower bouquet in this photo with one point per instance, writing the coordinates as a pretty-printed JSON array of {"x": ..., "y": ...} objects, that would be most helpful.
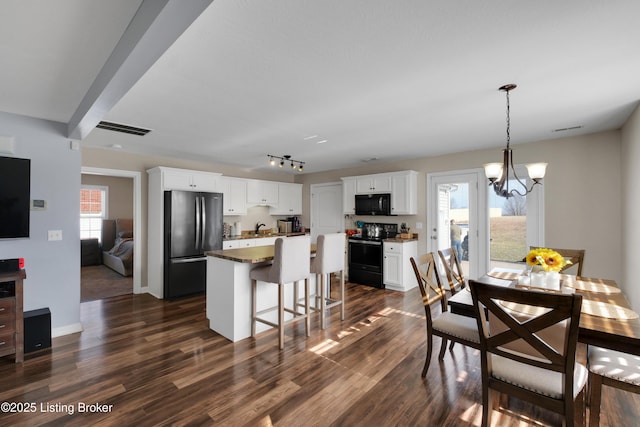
[{"x": 546, "y": 259}]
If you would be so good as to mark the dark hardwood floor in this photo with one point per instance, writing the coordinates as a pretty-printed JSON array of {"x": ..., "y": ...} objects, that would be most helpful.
[{"x": 158, "y": 363}]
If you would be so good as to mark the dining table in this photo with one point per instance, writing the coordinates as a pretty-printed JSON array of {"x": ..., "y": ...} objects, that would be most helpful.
[{"x": 606, "y": 319}]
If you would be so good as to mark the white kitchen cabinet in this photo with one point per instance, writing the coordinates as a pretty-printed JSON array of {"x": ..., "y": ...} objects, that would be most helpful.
[
  {"x": 234, "y": 191},
  {"x": 182, "y": 179},
  {"x": 379, "y": 183},
  {"x": 289, "y": 200},
  {"x": 230, "y": 244},
  {"x": 249, "y": 243},
  {"x": 397, "y": 273},
  {"x": 401, "y": 185},
  {"x": 348, "y": 195},
  {"x": 404, "y": 193},
  {"x": 264, "y": 193}
]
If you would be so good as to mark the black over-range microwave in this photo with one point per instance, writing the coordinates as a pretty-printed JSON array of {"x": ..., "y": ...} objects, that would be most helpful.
[{"x": 373, "y": 204}]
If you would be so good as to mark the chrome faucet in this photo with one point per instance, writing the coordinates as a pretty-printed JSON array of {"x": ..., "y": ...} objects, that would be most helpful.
[{"x": 258, "y": 225}]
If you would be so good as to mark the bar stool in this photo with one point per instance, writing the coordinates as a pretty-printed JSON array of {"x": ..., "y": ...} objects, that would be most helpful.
[
  {"x": 329, "y": 259},
  {"x": 290, "y": 265}
]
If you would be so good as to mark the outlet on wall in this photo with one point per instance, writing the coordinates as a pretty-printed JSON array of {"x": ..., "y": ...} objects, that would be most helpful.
[{"x": 55, "y": 235}]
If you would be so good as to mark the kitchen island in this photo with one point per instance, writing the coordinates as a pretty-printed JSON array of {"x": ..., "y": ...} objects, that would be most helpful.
[{"x": 229, "y": 290}]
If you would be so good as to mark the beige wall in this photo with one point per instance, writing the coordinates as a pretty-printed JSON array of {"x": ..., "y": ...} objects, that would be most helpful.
[
  {"x": 631, "y": 207},
  {"x": 583, "y": 199},
  {"x": 582, "y": 192},
  {"x": 120, "y": 203}
]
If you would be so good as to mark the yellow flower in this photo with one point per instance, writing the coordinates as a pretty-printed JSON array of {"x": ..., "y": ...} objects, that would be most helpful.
[{"x": 548, "y": 259}]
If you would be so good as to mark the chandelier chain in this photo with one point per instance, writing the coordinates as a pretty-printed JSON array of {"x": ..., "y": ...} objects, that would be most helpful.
[{"x": 508, "y": 121}]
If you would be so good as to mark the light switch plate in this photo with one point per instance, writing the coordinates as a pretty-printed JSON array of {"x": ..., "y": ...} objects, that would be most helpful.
[{"x": 55, "y": 235}]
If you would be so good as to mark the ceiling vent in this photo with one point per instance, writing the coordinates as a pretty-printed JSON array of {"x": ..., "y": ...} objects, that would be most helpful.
[
  {"x": 568, "y": 128},
  {"x": 118, "y": 127}
]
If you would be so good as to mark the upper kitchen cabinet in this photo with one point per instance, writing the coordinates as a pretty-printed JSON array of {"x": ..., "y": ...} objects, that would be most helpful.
[
  {"x": 289, "y": 200},
  {"x": 404, "y": 193},
  {"x": 264, "y": 193},
  {"x": 183, "y": 179},
  {"x": 379, "y": 183},
  {"x": 234, "y": 191},
  {"x": 348, "y": 195},
  {"x": 401, "y": 185}
]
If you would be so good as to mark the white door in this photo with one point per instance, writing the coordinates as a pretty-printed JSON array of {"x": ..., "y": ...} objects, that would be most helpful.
[
  {"x": 326, "y": 209},
  {"x": 456, "y": 196}
]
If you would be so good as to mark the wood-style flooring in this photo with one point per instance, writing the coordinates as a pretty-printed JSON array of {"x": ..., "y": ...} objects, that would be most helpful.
[{"x": 154, "y": 362}]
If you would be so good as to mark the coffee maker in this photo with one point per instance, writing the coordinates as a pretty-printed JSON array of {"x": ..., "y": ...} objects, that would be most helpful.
[{"x": 295, "y": 223}]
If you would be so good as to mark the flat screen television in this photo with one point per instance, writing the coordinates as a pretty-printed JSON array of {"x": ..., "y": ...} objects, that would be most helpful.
[{"x": 15, "y": 197}]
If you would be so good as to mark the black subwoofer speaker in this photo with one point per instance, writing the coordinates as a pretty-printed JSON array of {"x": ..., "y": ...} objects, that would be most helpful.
[{"x": 37, "y": 329}]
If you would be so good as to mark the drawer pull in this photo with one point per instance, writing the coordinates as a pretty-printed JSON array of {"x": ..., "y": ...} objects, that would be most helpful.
[
  {"x": 1, "y": 308},
  {"x": 3, "y": 326},
  {"x": 2, "y": 343}
]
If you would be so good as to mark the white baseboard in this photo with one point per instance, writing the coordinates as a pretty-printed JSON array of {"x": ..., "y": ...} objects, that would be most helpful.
[{"x": 66, "y": 330}]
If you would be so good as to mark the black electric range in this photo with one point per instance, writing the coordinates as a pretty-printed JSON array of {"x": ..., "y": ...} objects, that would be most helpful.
[{"x": 365, "y": 253}]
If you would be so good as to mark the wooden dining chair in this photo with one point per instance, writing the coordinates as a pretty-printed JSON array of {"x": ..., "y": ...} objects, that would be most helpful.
[
  {"x": 576, "y": 256},
  {"x": 611, "y": 368},
  {"x": 446, "y": 325},
  {"x": 452, "y": 270},
  {"x": 528, "y": 345}
]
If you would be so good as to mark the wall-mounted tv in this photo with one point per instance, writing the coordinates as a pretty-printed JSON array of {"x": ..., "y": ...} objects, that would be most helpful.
[{"x": 15, "y": 196}]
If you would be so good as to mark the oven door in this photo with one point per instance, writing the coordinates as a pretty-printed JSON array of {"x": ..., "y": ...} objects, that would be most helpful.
[{"x": 365, "y": 255}]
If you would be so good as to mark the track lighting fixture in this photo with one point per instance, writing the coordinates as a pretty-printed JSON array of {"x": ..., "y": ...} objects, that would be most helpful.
[{"x": 295, "y": 164}]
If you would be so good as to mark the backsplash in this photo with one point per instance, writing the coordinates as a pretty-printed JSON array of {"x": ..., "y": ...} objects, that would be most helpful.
[{"x": 254, "y": 215}]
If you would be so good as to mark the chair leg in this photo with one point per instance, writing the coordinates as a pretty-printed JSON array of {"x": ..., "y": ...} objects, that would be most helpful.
[
  {"x": 253, "y": 308},
  {"x": 323, "y": 300},
  {"x": 307, "y": 308},
  {"x": 443, "y": 348},
  {"x": 428, "y": 359},
  {"x": 281, "y": 315},
  {"x": 342, "y": 294},
  {"x": 489, "y": 403},
  {"x": 451, "y": 345},
  {"x": 595, "y": 382}
]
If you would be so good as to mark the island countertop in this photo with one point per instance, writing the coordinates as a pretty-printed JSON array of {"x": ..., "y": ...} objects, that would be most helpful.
[{"x": 251, "y": 255}]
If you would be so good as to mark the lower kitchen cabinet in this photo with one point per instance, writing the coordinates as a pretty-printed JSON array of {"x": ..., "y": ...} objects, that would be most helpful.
[{"x": 397, "y": 273}]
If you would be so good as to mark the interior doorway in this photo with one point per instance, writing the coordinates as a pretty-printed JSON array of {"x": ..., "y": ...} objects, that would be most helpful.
[
  {"x": 326, "y": 209},
  {"x": 137, "y": 217}
]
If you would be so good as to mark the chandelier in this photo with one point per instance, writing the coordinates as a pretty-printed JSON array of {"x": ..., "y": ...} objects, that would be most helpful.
[
  {"x": 295, "y": 164},
  {"x": 500, "y": 174}
]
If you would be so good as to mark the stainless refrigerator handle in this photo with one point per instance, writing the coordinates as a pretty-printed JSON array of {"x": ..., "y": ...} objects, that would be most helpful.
[
  {"x": 203, "y": 223},
  {"x": 197, "y": 245}
]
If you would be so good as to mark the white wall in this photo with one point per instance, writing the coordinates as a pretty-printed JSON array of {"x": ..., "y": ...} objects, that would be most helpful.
[
  {"x": 631, "y": 207},
  {"x": 53, "y": 268}
]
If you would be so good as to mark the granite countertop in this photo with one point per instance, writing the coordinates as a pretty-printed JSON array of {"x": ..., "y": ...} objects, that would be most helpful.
[
  {"x": 400, "y": 240},
  {"x": 252, "y": 255},
  {"x": 244, "y": 236}
]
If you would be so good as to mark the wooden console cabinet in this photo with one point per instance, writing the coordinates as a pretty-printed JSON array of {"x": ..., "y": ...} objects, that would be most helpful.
[{"x": 11, "y": 317}]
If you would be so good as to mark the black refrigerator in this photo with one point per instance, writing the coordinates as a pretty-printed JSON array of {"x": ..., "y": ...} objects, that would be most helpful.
[{"x": 192, "y": 226}]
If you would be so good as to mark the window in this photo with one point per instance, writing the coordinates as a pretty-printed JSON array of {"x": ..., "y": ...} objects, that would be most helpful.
[{"x": 93, "y": 209}]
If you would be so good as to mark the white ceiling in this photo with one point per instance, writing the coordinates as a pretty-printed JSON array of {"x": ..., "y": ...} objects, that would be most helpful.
[{"x": 380, "y": 79}]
